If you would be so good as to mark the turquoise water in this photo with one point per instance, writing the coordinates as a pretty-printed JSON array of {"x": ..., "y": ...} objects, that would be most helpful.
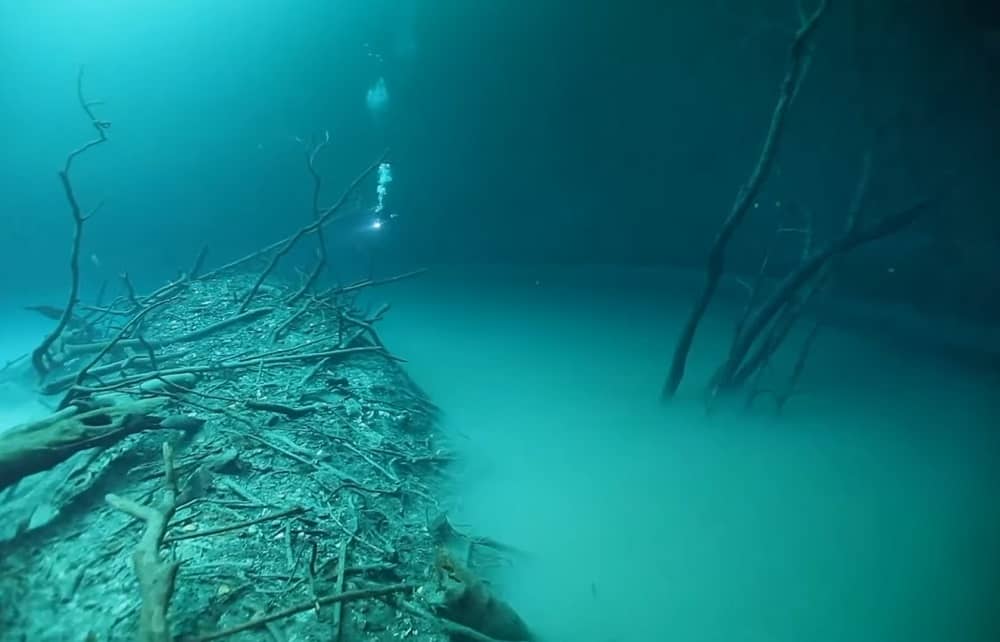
[{"x": 867, "y": 512}]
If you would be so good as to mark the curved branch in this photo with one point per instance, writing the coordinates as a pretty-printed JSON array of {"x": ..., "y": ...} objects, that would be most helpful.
[
  {"x": 39, "y": 357},
  {"x": 794, "y": 73}
]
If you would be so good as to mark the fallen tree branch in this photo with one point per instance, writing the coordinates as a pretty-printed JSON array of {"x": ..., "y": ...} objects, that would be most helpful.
[
  {"x": 343, "y": 598},
  {"x": 325, "y": 216},
  {"x": 280, "y": 408},
  {"x": 233, "y": 365},
  {"x": 730, "y": 373},
  {"x": 367, "y": 283},
  {"x": 194, "y": 335},
  {"x": 133, "y": 322},
  {"x": 131, "y": 361},
  {"x": 156, "y": 576},
  {"x": 338, "y": 586},
  {"x": 448, "y": 626},
  {"x": 38, "y": 446},
  {"x": 199, "y": 262},
  {"x": 233, "y": 527},
  {"x": 745, "y": 197},
  {"x": 316, "y": 212},
  {"x": 280, "y": 330},
  {"x": 39, "y": 357}
]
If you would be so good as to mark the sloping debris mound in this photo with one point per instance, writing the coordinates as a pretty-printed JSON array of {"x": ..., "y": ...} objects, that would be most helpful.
[{"x": 279, "y": 479}]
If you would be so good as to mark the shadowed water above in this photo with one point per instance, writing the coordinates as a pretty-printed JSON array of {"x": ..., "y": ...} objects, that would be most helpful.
[{"x": 866, "y": 511}]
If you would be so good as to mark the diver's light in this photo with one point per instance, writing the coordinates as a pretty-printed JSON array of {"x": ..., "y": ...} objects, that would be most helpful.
[{"x": 377, "y": 224}]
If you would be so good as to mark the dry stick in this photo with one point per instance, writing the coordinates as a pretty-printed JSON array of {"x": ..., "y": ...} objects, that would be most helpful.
[
  {"x": 39, "y": 355},
  {"x": 156, "y": 576},
  {"x": 325, "y": 216},
  {"x": 744, "y": 198},
  {"x": 237, "y": 526},
  {"x": 349, "y": 596}
]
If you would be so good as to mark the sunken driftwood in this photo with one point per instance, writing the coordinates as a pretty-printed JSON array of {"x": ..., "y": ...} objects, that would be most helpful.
[
  {"x": 763, "y": 328},
  {"x": 156, "y": 576},
  {"x": 461, "y": 597},
  {"x": 794, "y": 74},
  {"x": 768, "y": 318},
  {"x": 38, "y": 446},
  {"x": 40, "y": 356}
]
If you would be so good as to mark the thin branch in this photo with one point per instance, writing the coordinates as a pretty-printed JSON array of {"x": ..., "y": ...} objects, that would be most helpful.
[
  {"x": 320, "y": 238},
  {"x": 199, "y": 262},
  {"x": 133, "y": 322},
  {"x": 367, "y": 283},
  {"x": 745, "y": 197},
  {"x": 348, "y": 596},
  {"x": 39, "y": 357},
  {"x": 232, "y": 527},
  {"x": 810, "y": 268}
]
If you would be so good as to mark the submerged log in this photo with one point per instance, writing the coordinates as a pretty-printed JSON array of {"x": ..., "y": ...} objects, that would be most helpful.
[
  {"x": 465, "y": 598},
  {"x": 38, "y": 446}
]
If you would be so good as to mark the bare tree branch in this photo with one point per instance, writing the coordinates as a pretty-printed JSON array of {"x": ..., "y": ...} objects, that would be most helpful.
[
  {"x": 797, "y": 56},
  {"x": 39, "y": 357}
]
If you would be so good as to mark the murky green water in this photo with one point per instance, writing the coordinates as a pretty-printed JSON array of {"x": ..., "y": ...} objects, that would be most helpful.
[{"x": 868, "y": 512}]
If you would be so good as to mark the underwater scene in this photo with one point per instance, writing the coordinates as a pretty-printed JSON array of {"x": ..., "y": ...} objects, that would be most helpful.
[{"x": 498, "y": 320}]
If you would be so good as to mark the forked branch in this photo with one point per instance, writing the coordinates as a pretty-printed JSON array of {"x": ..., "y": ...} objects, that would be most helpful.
[
  {"x": 40, "y": 356},
  {"x": 794, "y": 73},
  {"x": 156, "y": 576}
]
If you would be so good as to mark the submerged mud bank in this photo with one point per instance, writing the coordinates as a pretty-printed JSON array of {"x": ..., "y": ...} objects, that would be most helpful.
[{"x": 215, "y": 468}]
